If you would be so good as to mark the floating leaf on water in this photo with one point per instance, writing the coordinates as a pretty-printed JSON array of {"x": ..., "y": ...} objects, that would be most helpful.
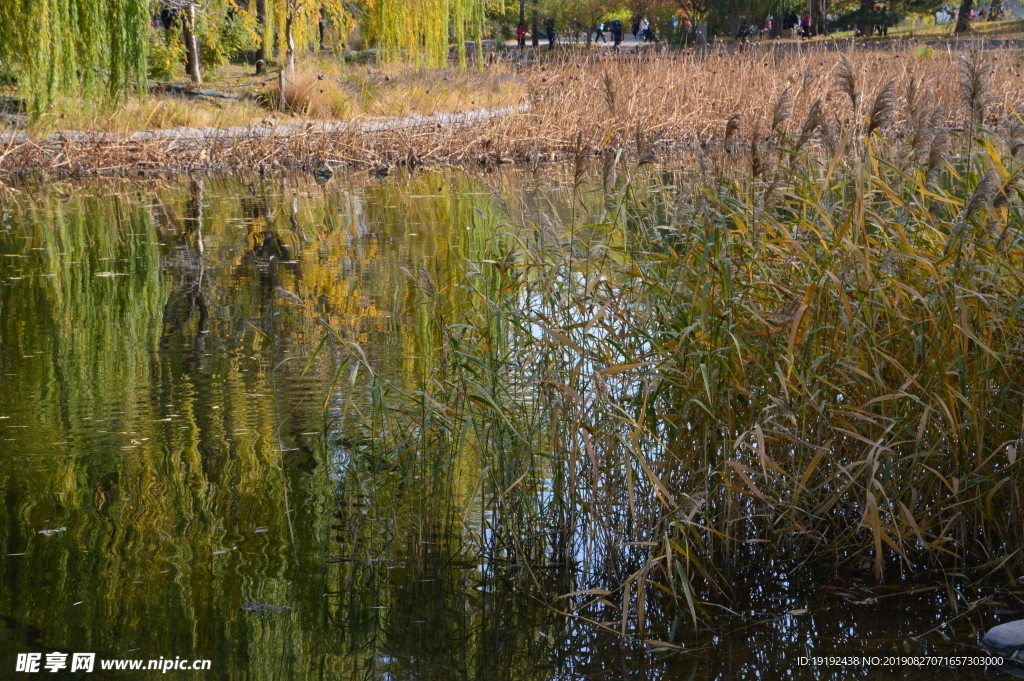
[
  {"x": 54, "y": 531},
  {"x": 1011, "y": 454},
  {"x": 799, "y": 611},
  {"x": 217, "y": 553},
  {"x": 110, "y": 274},
  {"x": 261, "y": 529}
]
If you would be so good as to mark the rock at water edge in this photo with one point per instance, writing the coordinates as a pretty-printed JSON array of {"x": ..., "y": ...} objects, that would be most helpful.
[{"x": 1006, "y": 638}]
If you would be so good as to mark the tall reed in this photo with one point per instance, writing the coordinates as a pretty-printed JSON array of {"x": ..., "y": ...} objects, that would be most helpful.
[{"x": 804, "y": 355}]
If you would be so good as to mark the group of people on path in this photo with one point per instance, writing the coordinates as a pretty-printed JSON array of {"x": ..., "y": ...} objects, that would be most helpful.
[
  {"x": 614, "y": 29},
  {"x": 877, "y": 21},
  {"x": 549, "y": 32},
  {"x": 642, "y": 31},
  {"x": 800, "y": 25}
]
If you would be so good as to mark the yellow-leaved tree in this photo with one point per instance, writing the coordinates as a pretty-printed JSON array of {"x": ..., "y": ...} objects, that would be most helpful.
[
  {"x": 419, "y": 31},
  {"x": 301, "y": 23}
]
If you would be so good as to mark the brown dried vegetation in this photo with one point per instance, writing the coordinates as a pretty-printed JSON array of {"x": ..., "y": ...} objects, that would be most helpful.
[{"x": 595, "y": 103}]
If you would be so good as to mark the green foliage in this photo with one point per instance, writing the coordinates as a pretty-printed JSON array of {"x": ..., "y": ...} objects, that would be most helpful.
[
  {"x": 723, "y": 14},
  {"x": 224, "y": 31},
  {"x": 55, "y": 47},
  {"x": 420, "y": 31},
  {"x": 579, "y": 15},
  {"x": 166, "y": 54}
]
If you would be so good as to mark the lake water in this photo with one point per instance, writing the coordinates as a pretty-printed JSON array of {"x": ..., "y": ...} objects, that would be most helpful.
[{"x": 173, "y": 483}]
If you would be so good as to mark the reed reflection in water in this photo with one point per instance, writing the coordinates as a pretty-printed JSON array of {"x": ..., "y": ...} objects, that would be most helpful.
[{"x": 170, "y": 448}]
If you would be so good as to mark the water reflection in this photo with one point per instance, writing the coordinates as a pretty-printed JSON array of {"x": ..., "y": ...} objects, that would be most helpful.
[{"x": 163, "y": 457}]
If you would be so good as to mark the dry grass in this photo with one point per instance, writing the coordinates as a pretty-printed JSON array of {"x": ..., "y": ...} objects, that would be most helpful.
[
  {"x": 320, "y": 89},
  {"x": 692, "y": 97},
  {"x": 145, "y": 113},
  {"x": 325, "y": 89},
  {"x": 582, "y": 103},
  {"x": 988, "y": 29}
]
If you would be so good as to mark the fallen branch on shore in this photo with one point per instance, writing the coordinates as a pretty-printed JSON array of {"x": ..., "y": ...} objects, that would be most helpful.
[{"x": 192, "y": 92}]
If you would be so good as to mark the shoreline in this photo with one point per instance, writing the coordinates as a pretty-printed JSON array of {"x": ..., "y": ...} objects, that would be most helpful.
[
  {"x": 644, "y": 108},
  {"x": 306, "y": 145}
]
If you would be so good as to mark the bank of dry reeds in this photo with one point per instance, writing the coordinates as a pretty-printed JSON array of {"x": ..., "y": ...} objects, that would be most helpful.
[{"x": 643, "y": 105}]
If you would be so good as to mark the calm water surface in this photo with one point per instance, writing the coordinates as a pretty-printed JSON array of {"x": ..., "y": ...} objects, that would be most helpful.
[{"x": 167, "y": 456}]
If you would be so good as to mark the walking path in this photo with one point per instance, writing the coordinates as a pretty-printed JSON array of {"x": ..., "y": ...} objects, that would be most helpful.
[{"x": 414, "y": 121}]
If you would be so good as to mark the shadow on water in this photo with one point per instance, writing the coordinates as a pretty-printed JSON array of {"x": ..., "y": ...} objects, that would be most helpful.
[{"x": 167, "y": 456}]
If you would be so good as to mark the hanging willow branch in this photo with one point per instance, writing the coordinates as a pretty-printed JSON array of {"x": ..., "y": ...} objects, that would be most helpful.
[
  {"x": 54, "y": 47},
  {"x": 419, "y": 31},
  {"x": 298, "y": 23}
]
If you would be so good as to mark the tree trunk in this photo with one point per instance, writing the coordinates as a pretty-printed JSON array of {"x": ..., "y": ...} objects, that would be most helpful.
[
  {"x": 188, "y": 25},
  {"x": 522, "y": 12},
  {"x": 867, "y": 11},
  {"x": 963, "y": 19},
  {"x": 995, "y": 10},
  {"x": 818, "y": 14},
  {"x": 289, "y": 35},
  {"x": 261, "y": 21},
  {"x": 536, "y": 26}
]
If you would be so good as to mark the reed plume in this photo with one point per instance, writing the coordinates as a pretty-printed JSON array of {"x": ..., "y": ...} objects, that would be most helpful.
[
  {"x": 883, "y": 107},
  {"x": 972, "y": 78},
  {"x": 732, "y": 127},
  {"x": 782, "y": 111},
  {"x": 815, "y": 117},
  {"x": 846, "y": 80},
  {"x": 937, "y": 150}
]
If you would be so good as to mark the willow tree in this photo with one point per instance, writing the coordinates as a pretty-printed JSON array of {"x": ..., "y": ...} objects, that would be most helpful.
[
  {"x": 420, "y": 30},
  {"x": 56, "y": 47},
  {"x": 299, "y": 23}
]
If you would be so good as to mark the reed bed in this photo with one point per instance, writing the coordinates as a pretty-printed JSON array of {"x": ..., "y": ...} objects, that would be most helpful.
[
  {"x": 800, "y": 360},
  {"x": 646, "y": 106}
]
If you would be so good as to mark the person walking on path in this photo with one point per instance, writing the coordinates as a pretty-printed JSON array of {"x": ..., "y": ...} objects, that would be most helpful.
[
  {"x": 644, "y": 28},
  {"x": 549, "y": 26},
  {"x": 521, "y": 36},
  {"x": 599, "y": 34},
  {"x": 805, "y": 26},
  {"x": 616, "y": 34}
]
